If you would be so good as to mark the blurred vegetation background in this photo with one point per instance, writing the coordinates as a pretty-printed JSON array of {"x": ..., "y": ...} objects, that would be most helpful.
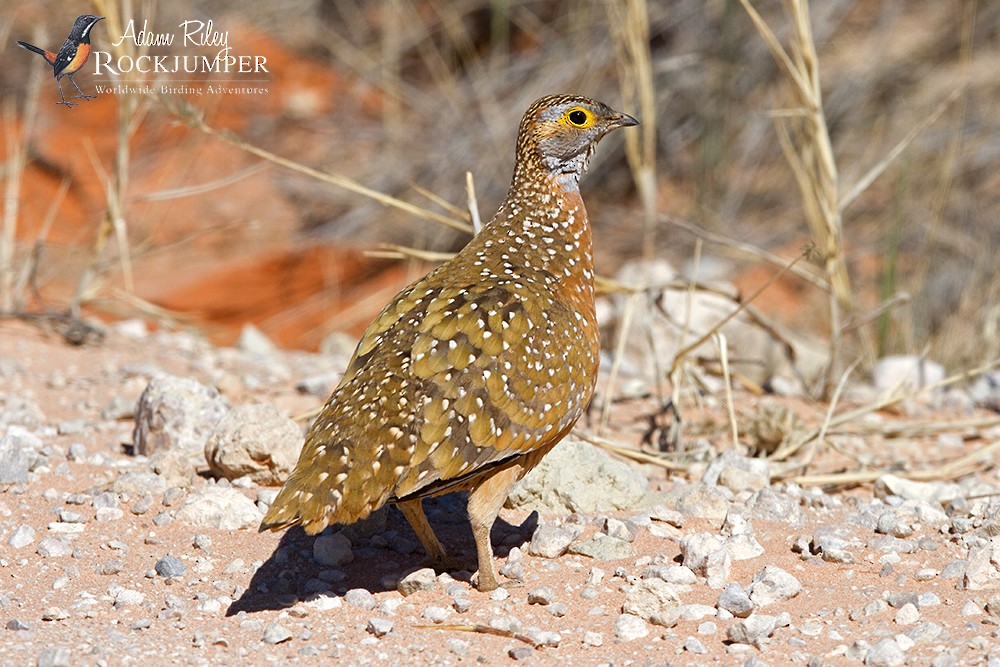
[{"x": 403, "y": 95}]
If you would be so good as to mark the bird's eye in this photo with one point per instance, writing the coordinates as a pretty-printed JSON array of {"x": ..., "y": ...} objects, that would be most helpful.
[{"x": 578, "y": 118}]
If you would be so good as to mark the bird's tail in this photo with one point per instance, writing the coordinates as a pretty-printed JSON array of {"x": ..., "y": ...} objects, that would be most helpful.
[{"x": 42, "y": 52}]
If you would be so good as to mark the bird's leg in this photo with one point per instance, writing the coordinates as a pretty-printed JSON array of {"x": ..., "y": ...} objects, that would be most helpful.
[
  {"x": 63, "y": 97},
  {"x": 86, "y": 97},
  {"x": 413, "y": 510},
  {"x": 485, "y": 501}
]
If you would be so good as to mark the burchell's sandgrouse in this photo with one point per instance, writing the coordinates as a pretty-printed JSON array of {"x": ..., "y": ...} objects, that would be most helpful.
[{"x": 474, "y": 372}]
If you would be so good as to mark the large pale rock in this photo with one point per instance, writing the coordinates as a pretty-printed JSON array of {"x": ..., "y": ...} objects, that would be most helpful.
[
  {"x": 256, "y": 441},
  {"x": 753, "y": 351},
  {"x": 18, "y": 455},
  {"x": 176, "y": 413},
  {"x": 982, "y": 570},
  {"x": 653, "y": 600},
  {"x": 906, "y": 374},
  {"x": 577, "y": 477},
  {"x": 215, "y": 507}
]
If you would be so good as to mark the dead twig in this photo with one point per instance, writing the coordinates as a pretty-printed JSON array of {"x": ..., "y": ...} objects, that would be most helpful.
[{"x": 485, "y": 630}]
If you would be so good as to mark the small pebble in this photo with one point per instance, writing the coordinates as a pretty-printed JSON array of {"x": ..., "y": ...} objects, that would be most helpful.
[
  {"x": 521, "y": 652},
  {"x": 22, "y": 536},
  {"x": 629, "y": 628},
  {"x": 170, "y": 566},
  {"x": 541, "y": 595},
  {"x": 424, "y": 579},
  {"x": 276, "y": 633},
  {"x": 436, "y": 614},
  {"x": 694, "y": 645},
  {"x": 55, "y": 656},
  {"x": 557, "y": 609},
  {"x": 360, "y": 598},
  {"x": 379, "y": 626}
]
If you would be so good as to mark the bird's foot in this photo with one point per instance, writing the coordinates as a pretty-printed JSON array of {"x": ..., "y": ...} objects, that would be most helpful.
[
  {"x": 85, "y": 97},
  {"x": 485, "y": 581},
  {"x": 68, "y": 104}
]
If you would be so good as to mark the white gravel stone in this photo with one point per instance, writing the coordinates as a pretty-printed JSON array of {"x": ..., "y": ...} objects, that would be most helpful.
[
  {"x": 50, "y": 547},
  {"x": 694, "y": 645},
  {"x": 176, "y": 413},
  {"x": 578, "y": 477},
  {"x": 436, "y": 614},
  {"x": 542, "y": 595},
  {"x": 735, "y": 600},
  {"x": 109, "y": 514},
  {"x": 256, "y": 441},
  {"x": 18, "y": 454},
  {"x": 970, "y": 608},
  {"x": 652, "y": 600},
  {"x": 424, "y": 579},
  {"x": 885, "y": 653},
  {"x": 379, "y": 627},
  {"x": 126, "y": 597},
  {"x": 360, "y": 598},
  {"x": 772, "y": 584},
  {"x": 905, "y": 374},
  {"x": 219, "y": 507},
  {"x": 22, "y": 536},
  {"x": 753, "y": 630},
  {"x": 981, "y": 572},
  {"x": 705, "y": 554},
  {"x": 549, "y": 541},
  {"x": 276, "y": 633},
  {"x": 740, "y": 541},
  {"x": 929, "y": 492},
  {"x": 908, "y": 614},
  {"x": 629, "y": 628},
  {"x": 695, "y": 612},
  {"x": 591, "y": 638}
]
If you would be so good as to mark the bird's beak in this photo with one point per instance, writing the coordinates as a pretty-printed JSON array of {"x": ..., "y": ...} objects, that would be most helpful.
[{"x": 624, "y": 120}]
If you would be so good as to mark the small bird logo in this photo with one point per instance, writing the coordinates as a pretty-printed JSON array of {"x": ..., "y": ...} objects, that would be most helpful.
[{"x": 72, "y": 55}]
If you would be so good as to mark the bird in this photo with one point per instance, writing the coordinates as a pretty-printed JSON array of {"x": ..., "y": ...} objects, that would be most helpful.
[
  {"x": 72, "y": 55},
  {"x": 471, "y": 374}
]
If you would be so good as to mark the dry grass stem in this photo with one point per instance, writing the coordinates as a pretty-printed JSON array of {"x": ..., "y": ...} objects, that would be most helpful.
[
  {"x": 486, "y": 630},
  {"x": 192, "y": 118},
  {"x": 393, "y": 251},
  {"x": 17, "y": 143},
  {"x": 722, "y": 347},
  {"x": 959, "y": 467},
  {"x": 879, "y": 168},
  {"x": 804, "y": 271},
  {"x": 470, "y": 189},
  {"x": 630, "y": 29},
  {"x": 609, "y": 388},
  {"x": 740, "y": 308},
  {"x": 662, "y": 460},
  {"x": 30, "y": 267},
  {"x": 805, "y": 142},
  {"x": 202, "y": 188}
]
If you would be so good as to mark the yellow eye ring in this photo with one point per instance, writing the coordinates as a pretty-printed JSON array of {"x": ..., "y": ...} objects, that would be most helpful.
[{"x": 578, "y": 117}]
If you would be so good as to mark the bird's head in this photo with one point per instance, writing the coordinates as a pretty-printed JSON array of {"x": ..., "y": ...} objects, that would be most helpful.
[
  {"x": 561, "y": 131},
  {"x": 82, "y": 27}
]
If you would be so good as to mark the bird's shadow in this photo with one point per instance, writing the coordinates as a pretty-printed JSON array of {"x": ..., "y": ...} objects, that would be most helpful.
[{"x": 385, "y": 548}]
